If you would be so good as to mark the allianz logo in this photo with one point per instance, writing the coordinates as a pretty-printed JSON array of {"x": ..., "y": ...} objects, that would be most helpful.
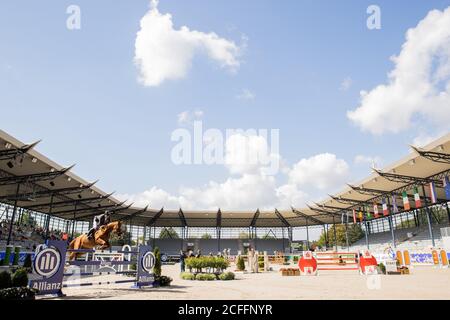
[
  {"x": 47, "y": 262},
  {"x": 148, "y": 262}
]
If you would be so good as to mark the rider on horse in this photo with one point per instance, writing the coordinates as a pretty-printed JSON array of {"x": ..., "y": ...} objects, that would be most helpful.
[{"x": 100, "y": 220}]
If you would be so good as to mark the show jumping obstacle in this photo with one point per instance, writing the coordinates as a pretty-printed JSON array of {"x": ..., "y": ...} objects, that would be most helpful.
[
  {"x": 310, "y": 263},
  {"x": 49, "y": 264},
  {"x": 337, "y": 260}
]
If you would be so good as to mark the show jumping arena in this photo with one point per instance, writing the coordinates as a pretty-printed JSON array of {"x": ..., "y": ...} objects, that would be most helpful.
[{"x": 422, "y": 283}]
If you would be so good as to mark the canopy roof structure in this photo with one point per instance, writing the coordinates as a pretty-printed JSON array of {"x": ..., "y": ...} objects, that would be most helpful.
[{"x": 30, "y": 180}]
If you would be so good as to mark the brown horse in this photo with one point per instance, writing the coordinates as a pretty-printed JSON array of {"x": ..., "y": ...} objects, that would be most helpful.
[{"x": 100, "y": 241}]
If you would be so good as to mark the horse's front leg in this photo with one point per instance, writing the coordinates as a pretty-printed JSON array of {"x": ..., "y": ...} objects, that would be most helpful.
[{"x": 103, "y": 244}]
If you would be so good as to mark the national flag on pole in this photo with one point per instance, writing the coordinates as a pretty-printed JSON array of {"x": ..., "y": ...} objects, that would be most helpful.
[
  {"x": 406, "y": 204},
  {"x": 375, "y": 210},
  {"x": 394, "y": 204},
  {"x": 417, "y": 198},
  {"x": 446, "y": 187},
  {"x": 369, "y": 215},
  {"x": 385, "y": 208},
  {"x": 433, "y": 192},
  {"x": 354, "y": 216}
]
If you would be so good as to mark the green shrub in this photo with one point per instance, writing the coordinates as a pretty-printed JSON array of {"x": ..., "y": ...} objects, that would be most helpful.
[
  {"x": 20, "y": 278},
  {"x": 261, "y": 264},
  {"x": 205, "y": 277},
  {"x": 382, "y": 267},
  {"x": 133, "y": 266},
  {"x": 226, "y": 276},
  {"x": 157, "y": 267},
  {"x": 240, "y": 264},
  {"x": 5, "y": 280},
  {"x": 27, "y": 262},
  {"x": 20, "y": 293},
  {"x": 212, "y": 263},
  {"x": 164, "y": 281},
  {"x": 187, "y": 276},
  {"x": 296, "y": 259}
]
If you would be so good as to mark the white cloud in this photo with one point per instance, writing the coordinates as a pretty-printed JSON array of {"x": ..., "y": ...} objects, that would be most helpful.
[
  {"x": 246, "y": 94},
  {"x": 188, "y": 117},
  {"x": 419, "y": 85},
  {"x": 346, "y": 84},
  {"x": 372, "y": 161},
  {"x": 155, "y": 197},
  {"x": 249, "y": 154},
  {"x": 425, "y": 138},
  {"x": 323, "y": 171},
  {"x": 247, "y": 192},
  {"x": 289, "y": 195},
  {"x": 252, "y": 189},
  {"x": 165, "y": 53}
]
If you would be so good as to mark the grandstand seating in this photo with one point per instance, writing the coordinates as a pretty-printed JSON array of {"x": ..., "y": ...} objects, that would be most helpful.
[{"x": 420, "y": 238}]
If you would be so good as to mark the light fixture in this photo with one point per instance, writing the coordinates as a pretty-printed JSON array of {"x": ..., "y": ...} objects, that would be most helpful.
[
  {"x": 10, "y": 164},
  {"x": 412, "y": 162},
  {"x": 8, "y": 145},
  {"x": 52, "y": 169},
  {"x": 69, "y": 179},
  {"x": 79, "y": 196},
  {"x": 440, "y": 148},
  {"x": 52, "y": 183},
  {"x": 34, "y": 160}
]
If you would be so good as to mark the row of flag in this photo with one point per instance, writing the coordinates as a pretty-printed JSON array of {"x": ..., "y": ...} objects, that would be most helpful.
[{"x": 365, "y": 210}]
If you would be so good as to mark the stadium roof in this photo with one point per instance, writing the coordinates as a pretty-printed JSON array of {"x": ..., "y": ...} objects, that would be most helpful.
[{"x": 37, "y": 183}]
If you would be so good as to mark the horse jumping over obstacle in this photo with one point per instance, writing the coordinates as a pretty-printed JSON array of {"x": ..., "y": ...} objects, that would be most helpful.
[{"x": 100, "y": 241}]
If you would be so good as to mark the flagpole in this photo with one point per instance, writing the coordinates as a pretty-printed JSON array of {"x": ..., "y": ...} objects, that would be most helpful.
[
  {"x": 448, "y": 212},
  {"x": 346, "y": 232},
  {"x": 430, "y": 229},
  {"x": 391, "y": 223},
  {"x": 367, "y": 236}
]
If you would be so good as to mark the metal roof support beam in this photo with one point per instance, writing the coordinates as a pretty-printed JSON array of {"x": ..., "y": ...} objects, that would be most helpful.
[
  {"x": 112, "y": 206},
  {"x": 367, "y": 191},
  {"x": 283, "y": 220},
  {"x": 347, "y": 201},
  {"x": 329, "y": 207},
  {"x": 13, "y": 153},
  {"x": 153, "y": 220},
  {"x": 255, "y": 217},
  {"x": 131, "y": 216},
  {"x": 399, "y": 178},
  {"x": 324, "y": 211},
  {"x": 301, "y": 214},
  {"x": 182, "y": 218},
  {"x": 219, "y": 219},
  {"x": 433, "y": 156},
  {"x": 97, "y": 210},
  {"x": 46, "y": 193},
  {"x": 67, "y": 202},
  {"x": 33, "y": 177}
]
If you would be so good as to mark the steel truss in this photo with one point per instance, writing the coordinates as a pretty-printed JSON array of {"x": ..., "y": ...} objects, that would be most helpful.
[
  {"x": 45, "y": 193},
  {"x": 67, "y": 202},
  {"x": 433, "y": 156},
  {"x": 307, "y": 217},
  {"x": 11, "y": 180},
  {"x": 13, "y": 153}
]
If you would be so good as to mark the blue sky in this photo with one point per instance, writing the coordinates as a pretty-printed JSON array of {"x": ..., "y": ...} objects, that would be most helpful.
[{"x": 78, "y": 90}]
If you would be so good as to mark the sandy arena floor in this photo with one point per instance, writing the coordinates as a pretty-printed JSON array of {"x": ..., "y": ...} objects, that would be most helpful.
[{"x": 422, "y": 283}]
